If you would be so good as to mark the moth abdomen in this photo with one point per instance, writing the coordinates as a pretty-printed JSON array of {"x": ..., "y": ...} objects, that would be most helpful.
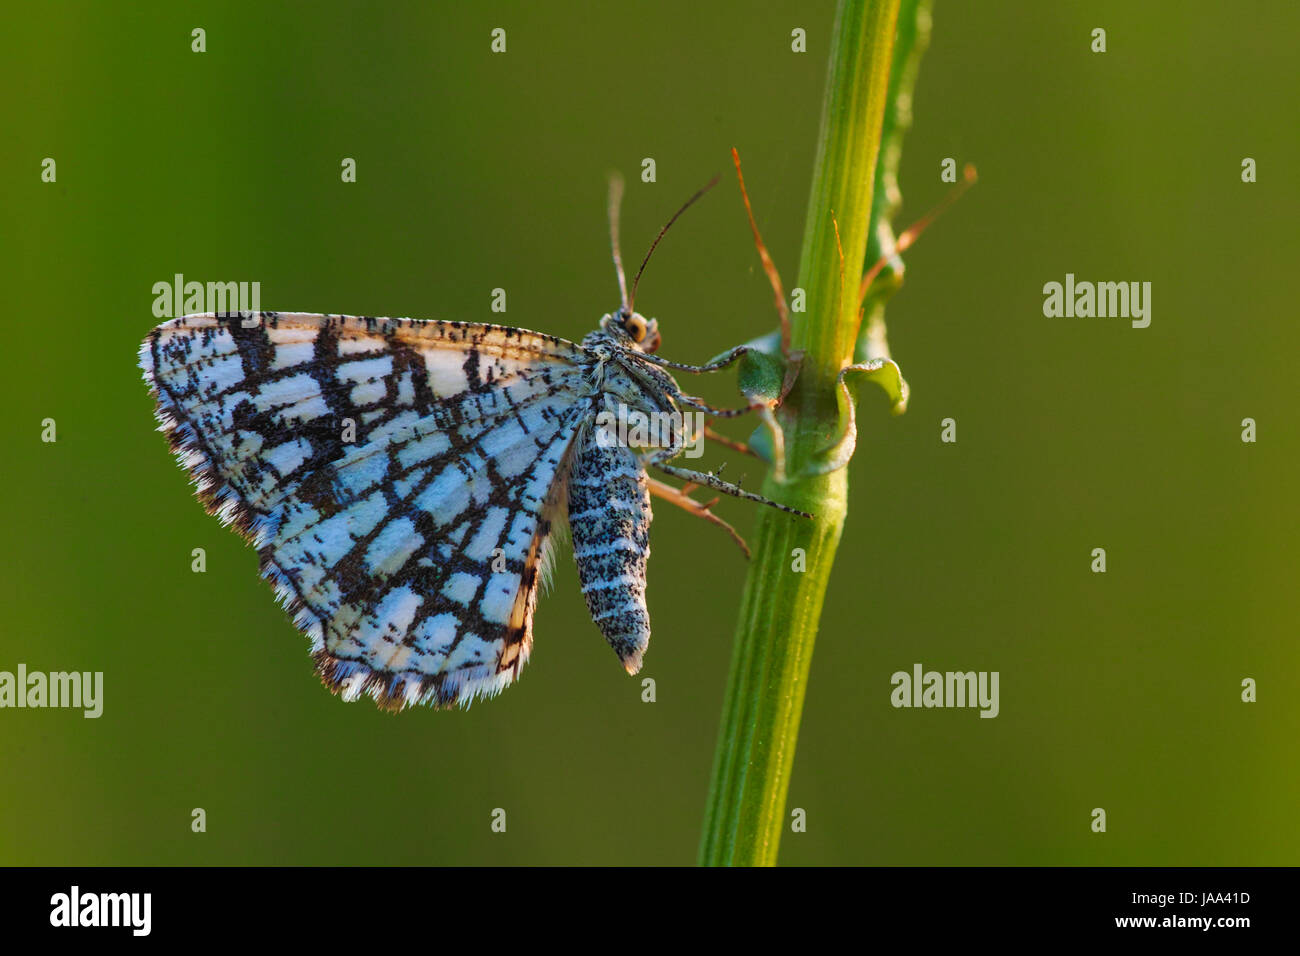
[{"x": 609, "y": 521}]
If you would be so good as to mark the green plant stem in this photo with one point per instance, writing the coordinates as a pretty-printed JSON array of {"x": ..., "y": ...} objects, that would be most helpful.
[{"x": 781, "y": 605}]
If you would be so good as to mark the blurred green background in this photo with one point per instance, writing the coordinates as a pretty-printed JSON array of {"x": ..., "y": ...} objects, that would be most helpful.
[{"x": 477, "y": 171}]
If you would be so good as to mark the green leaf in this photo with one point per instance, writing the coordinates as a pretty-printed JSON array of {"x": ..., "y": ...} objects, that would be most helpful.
[
  {"x": 886, "y": 374},
  {"x": 762, "y": 376}
]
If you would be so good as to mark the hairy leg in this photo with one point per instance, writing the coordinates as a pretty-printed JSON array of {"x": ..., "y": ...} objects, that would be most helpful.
[
  {"x": 717, "y": 484},
  {"x": 720, "y": 363},
  {"x": 682, "y": 499}
]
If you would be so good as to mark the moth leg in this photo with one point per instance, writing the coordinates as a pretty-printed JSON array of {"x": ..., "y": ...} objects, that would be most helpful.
[
  {"x": 717, "y": 484},
  {"x": 682, "y": 499},
  {"x": 690, "y": 401},
  {"x": 678, "y": 445},
  {"x": 764, "y": 409},
  {"x": 719, "y": 363},
  {"x": 699, "y": 404},
  {"x": 664, "y": 382},
  {"x": 731, "y": 443}
]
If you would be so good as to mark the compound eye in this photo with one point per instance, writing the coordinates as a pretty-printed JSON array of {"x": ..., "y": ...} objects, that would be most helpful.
[{"x": 635, "y": 327}]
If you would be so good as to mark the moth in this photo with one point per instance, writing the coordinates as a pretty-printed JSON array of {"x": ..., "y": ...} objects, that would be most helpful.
[{"x": 403, "y": 480}]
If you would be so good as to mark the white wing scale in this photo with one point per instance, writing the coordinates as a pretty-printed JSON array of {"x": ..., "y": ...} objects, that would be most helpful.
[{"x": 410, "y": 553}]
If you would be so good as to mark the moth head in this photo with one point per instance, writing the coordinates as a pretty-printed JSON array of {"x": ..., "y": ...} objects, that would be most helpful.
[{"x": 626, "y": 324}]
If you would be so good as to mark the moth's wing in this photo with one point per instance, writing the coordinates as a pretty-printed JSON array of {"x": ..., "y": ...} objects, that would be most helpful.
[
  {"x": 397, "y": 477},
  {"x": 228, "y": 387},
  {"x": 420, "y": 585}
]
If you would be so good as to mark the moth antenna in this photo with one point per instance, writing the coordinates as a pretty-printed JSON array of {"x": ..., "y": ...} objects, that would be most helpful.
[
  {"x": 615, "y": 201},
  {"x": 913, "y": 232},
  {"x": 773, "y": 277},
  {"x": 686, "y": 205}
]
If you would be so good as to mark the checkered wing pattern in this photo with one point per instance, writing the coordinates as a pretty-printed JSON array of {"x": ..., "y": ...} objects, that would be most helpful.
[{"x": 398, "y": 477}]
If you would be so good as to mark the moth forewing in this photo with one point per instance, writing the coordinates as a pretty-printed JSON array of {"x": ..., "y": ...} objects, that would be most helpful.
[{"x": 410, "y": 554}]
